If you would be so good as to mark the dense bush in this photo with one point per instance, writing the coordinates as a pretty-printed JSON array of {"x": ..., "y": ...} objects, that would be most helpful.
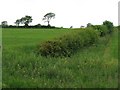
[
  {"x": 109, "y": 25},
  {"x": 68, "y": 44},
  {"x": 103, "y": 30}
]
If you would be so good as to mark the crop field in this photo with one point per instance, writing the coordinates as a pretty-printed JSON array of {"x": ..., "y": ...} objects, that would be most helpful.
[{"x": 94, "y": 66}]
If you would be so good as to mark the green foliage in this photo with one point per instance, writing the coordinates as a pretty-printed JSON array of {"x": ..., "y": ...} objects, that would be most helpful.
[
  {"x": 103, "y": 30},
  {"x": 89, "y": 25},
  {"x": 68, "y": 44},
  {"x": 26, "y": 20},
  {"x": 4, "y": 23},
  {"x": 118, "y": 27},
  {"x": 17, "y": 22},
  {"x": 48, "y": 17},
  {"x": 91, "y": 67},
  {"x": 109, "y": 25}
]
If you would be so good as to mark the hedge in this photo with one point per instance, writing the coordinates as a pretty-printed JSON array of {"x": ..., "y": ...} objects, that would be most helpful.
[
  {"x": 103, "y": 30},
  {"x": 109, "y": 25},
  {"x": 68, "y": 44}
]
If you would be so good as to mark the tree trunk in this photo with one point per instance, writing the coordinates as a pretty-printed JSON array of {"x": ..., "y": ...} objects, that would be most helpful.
[
  {"x": 48, "y": 23},
  {"x": 26, "y": 25}
]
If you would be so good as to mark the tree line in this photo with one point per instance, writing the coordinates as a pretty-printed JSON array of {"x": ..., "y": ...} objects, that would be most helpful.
[{"x": 26, "y": 20}]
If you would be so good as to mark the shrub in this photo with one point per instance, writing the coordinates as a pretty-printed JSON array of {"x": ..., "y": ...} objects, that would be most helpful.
[
  {"x": 68, "y": 44},
  {"x": 103, "y": 30},
  {"x": 109, "y": 25},
  {"x": 89, "y": 25}
]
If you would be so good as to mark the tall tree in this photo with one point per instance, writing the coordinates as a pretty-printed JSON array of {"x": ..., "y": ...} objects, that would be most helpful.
[
  {"x": 26, "y": 20},
  {"x": 17, "y": 22},
  {"x": 48, "y": 17}
]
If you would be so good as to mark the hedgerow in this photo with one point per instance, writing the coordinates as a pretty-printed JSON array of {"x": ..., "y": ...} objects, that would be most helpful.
[
  {"x": 103, "y": 30},
  {"x": 68, "y": 44},
  {"x": 109, "y": 25}
]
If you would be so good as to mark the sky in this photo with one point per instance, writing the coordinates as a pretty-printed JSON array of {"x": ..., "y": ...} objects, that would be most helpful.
[{"x": 68, "y": 13}]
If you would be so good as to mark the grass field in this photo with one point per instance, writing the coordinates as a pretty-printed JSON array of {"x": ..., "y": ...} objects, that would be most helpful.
[
  {"x": 0, "y": 58},
  {"x": 95, "y": 66}
]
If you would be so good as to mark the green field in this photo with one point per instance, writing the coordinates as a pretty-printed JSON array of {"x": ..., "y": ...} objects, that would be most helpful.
[
  {"x": 95, "y": 66},
  {"x": 0, "y": 58}
]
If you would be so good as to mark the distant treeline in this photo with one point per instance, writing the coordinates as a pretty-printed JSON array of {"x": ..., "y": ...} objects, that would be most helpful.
[
  {"x": 26, "y": 20},
  {"x": 32, "y": 26}
]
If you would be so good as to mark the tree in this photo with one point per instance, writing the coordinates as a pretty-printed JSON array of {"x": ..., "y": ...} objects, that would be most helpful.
[
  {"x": 4, "y": 23},
  {"x": 48, "y": 17},
  {"x": 82, "y": 26},
  {"x": 89, "y": 25},
  {"x": 17, "y": 22},
  {"x": 71, "y": 26},
  {"x": 109, "y": 25},
  {"x": 26, "y": 20}
]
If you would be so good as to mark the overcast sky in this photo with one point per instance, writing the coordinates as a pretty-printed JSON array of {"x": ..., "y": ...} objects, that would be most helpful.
[{"x": 68, "y": 12}]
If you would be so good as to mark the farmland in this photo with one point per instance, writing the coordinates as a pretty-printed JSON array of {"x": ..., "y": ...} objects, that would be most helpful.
[{"x": 94, "y": 66}]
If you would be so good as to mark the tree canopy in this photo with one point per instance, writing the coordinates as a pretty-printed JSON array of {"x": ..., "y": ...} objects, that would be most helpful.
[
  {"x": 4, "y": 23},
  {"x": 17, "y": 22},
  {"x": 48, "y": 17},
  {"x": 26, "y": 20},
  {"x": 109, "y": 25}
]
